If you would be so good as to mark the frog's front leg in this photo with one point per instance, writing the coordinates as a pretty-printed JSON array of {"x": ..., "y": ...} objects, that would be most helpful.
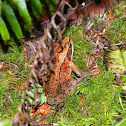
[{"x": 80, "y": 72}]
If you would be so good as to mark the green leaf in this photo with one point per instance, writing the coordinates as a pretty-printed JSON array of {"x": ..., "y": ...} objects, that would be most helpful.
[
  {"x": 116, "y": 58},
  {"x": 36, "y": 8},
  {"x": 40, "y": 91},
  {"x": 3, "y": 30},
  {"x": 0, "y": 6},
  {"x": 23, "y": 12},
  {"x": 7, "y": 122},
  {"x": 11, "y": 17},
  {"x": 52, "y": 4}
]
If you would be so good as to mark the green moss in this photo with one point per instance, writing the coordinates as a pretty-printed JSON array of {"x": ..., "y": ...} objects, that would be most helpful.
[
  {"x": 76, "y": 32},
  {"x": 13, "y": 77},
  {"x": 117, "y": 28}
]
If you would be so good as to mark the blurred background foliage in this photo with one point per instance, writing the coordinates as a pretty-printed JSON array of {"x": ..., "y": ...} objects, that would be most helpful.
[{"x": 20, "y": 16}]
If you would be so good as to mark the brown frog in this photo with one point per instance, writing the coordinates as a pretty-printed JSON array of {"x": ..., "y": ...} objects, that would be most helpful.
[{"x": 60, "y": 83}]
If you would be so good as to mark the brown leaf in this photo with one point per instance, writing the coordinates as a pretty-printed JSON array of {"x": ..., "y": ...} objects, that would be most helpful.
[
  {"x": 85, "y": 13},
  {"x": 43, "y": 109},
  {"x": 96, "y": 11},
  {"x": 1, "y": 65},
  {"x": 92, "y": 8},
  {"x": 108, "y": 3},
  {"x": 101, "y": 8},
  {"x": 45, "y": 17}
]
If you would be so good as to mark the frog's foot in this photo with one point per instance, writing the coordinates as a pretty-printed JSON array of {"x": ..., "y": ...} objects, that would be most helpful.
[{"x": 56, "y": 100}]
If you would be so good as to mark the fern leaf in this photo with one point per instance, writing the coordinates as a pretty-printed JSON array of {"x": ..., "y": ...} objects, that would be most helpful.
[
  {"x": 23, "y": 12},
  {"x": 11, "y": 17}
]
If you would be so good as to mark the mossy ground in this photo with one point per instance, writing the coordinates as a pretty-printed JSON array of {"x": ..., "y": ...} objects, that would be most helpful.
[
  {"x": 13, "y": 77},
  {"x": 100, "y": 105}
]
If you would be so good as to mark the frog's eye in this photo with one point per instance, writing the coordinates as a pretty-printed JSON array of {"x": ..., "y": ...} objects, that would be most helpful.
[{"x": 70, "y": 45}]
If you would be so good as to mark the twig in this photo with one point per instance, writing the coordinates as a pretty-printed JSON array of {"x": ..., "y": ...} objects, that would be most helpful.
[
  {"x": 16, "y": 65},
  {"x": 4, "y": 106}
]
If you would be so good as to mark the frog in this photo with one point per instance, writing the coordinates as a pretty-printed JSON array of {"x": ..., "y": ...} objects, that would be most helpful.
[{"x": 60, "y": 83}]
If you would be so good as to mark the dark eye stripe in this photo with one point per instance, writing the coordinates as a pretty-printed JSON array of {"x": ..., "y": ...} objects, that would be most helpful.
[{"x": 69, "y": 39}]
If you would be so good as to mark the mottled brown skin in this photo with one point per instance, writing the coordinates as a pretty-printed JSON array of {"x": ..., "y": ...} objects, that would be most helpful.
[{"x": 60, "y": 83}]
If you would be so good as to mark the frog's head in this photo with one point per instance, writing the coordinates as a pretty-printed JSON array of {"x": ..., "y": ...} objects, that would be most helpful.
[{"x": 68, "y": 42}]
